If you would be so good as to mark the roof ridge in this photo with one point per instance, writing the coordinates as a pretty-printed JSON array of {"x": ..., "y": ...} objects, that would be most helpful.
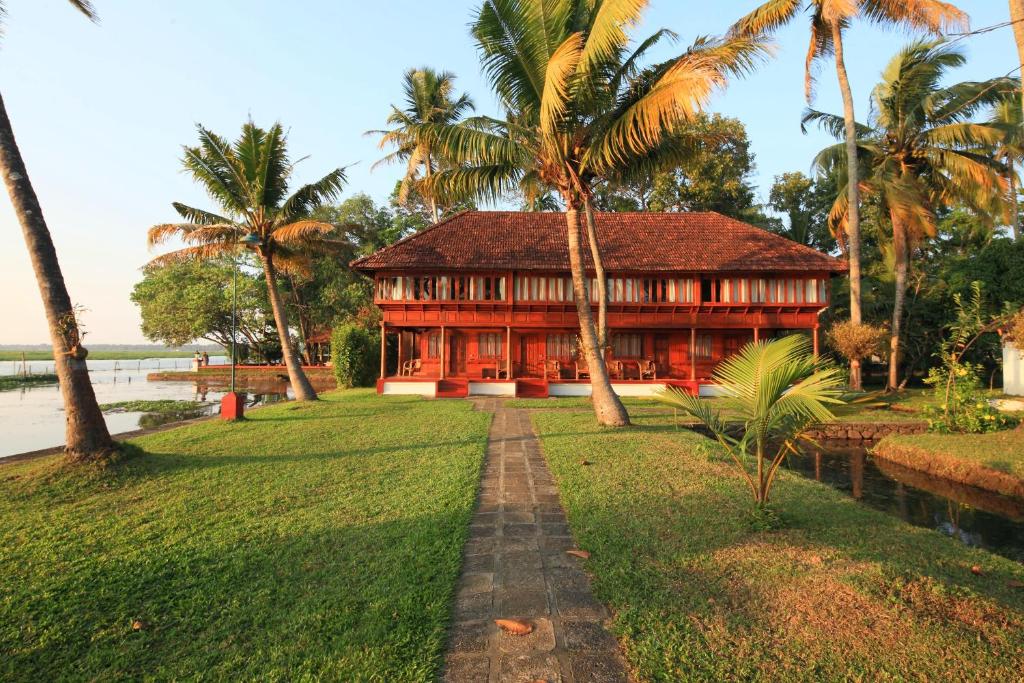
[{"x": 408, "y": 238}]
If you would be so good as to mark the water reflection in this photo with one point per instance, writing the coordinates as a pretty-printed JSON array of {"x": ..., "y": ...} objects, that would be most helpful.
[{"x": 971, "y": 515}]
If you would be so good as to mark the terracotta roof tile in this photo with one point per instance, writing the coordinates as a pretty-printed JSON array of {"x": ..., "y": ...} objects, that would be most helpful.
[{"x": 630, "y": 242}]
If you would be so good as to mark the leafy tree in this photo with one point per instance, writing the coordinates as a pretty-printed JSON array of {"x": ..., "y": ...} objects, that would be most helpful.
[
  {"x": 582, "y": 111},
  {"x": 429, "y": 100},
  {"x": 355, "y": 355},
  {"x": 922, "y": 154},
  {"x": 855, "y": 343},
  {"x": 414, "y": 214},
  {"x": 86, "y": 434},
  {"x": 249, "y": 180},
  {"x": 806, "y": 203},
  {"x": 773, "y": 390},
  {"x": 829, "y": 19},
  {"x": 181, "y": 302}
]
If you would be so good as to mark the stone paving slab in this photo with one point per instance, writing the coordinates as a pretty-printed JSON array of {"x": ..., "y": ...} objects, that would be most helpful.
[{"x": 515, "y": 567}]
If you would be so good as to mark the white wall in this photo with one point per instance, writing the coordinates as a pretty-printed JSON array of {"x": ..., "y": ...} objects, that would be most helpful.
[
  {"x": 392, "y": 388},
  {"x": 492, "y": 388},
  {"x": 1013, "y": 370}
]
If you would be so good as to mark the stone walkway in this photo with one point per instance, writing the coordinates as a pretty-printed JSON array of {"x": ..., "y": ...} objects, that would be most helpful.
[{"x": 515, "y": 567}]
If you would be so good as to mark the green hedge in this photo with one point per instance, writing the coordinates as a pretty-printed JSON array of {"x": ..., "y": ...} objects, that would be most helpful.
[{"x": 355, "y": 355}]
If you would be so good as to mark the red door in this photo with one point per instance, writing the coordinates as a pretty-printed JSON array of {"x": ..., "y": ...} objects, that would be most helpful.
[
  {"x": 531, "y": 351},
  {"x": 661, "y": 354},
  {"x": 457, "y": 354}
]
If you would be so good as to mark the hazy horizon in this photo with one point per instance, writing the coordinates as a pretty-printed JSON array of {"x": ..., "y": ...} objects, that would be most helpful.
[{"x": 101, "y": 111}]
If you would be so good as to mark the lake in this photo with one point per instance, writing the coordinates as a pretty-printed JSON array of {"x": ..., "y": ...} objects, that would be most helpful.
[{"x": 33, "y": 418}]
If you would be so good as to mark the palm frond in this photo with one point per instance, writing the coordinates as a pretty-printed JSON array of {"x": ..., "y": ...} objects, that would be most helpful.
[
  {"x": 607, "y": 34},
  {"x": 767, "y": 18},
  {"x": 309, "y": 197},
  {"x": 301, "y": 231},
  {"x": 561, "y": 67}
]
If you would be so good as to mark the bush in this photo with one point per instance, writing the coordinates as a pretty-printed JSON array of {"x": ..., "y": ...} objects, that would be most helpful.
[
  {"x": 355, "y": 355},
  {"x": 959, "y": 405}
]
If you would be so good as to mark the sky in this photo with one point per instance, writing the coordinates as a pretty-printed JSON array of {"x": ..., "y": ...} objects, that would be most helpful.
[{"x": 101, "y": 111}]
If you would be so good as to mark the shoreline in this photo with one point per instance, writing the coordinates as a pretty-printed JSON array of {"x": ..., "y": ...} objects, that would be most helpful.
[{"x": 949, "y": 467}]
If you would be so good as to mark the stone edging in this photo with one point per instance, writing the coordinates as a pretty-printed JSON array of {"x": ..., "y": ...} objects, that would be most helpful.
[{"x": 864, "y": 431}]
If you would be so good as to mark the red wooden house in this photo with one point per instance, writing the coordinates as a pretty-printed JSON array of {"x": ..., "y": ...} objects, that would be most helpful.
[{"x": 482, "y": 303}]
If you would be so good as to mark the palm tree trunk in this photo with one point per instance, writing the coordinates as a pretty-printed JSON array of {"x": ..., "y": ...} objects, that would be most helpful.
[
  {"x": 853, "y": 188},
  {"x": 607, "y": 406},
  {"x": 902, "y": 258},
  {"x": 1014, "y": 206},
  {"x": 87, "y": 437},
  {"x": 433, "y": 202},
  {"x": 300, "y": 319},
  {"x": 1017, "y": 17},
  {"x": 602, "y": 280},
  {"x": 300, "y": 383}
]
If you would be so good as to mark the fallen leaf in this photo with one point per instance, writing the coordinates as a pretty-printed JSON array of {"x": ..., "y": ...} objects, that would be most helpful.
[
  {"x": 584, "y": 462},
  {"x": 514, "y": 627},
  {"x": 582, "y": 554},
  {"x": 976, "y": 569},
  {"x": 139, "y": 625}
]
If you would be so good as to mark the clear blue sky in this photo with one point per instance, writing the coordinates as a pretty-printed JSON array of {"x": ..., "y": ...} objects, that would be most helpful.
[{"x": 101, "y": 111}]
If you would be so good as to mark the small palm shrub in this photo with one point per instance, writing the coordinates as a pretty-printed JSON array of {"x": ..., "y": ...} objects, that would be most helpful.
[
  {"x": 355, "y": 355},
  {"x": 773, "y": 390}
]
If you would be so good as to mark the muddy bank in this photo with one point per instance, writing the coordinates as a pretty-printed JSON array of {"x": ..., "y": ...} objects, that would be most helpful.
[{"x": 949, "y": 467}]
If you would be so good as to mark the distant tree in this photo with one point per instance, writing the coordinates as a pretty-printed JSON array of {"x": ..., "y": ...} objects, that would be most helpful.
[
  {"x": 806, "y": 203},
  {"x": 429, "y": 101},
  {"x": 86, "y": 434},
  {"x": 413, "y": 214},
  {"x": 249, "y": 180},
  {"x": 181, "y": 302}
]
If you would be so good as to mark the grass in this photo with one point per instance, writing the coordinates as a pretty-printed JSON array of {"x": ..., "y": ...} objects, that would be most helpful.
[
  {"x": 993, "y": 461},
  {"x": 840, "y": 592},
  {"x": 577, "y": 402},
  {"x": 158, "y": 406},
  {"x": 310, "y": 542},
  {"x": 11, "y": 382},
  {"x": 97, "y": 355}
]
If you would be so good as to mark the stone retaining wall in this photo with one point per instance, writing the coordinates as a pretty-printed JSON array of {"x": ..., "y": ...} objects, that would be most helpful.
[{"x": 865, "y": 431}]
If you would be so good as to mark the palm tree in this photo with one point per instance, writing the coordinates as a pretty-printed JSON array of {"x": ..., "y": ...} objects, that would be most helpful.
[
  {"x": 581, "y": 111},
  {"x": 1010, "y": 151},
  {"x": 428, "y": 101},
  {"x": 86, "y": 434},
  {"x": 1017, "y": 19},
  {"x": 773, "y": 390},
  {"x": 922, "y": 153},
  {"x": 249, "y": 180},
  {"x": 829, "y": 18}
]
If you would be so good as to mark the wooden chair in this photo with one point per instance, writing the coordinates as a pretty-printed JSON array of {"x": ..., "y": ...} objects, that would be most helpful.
[
  {"x": 552, "y": 369},
  {"x": 617, "y": 369},
  {"x": 582, "y": 369},
  {"x": 648, "y": 369},
  {"x": 411, "y": 367}
]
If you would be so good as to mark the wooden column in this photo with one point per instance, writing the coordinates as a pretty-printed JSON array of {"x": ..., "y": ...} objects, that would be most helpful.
[
  {"x": 757, "y": 335},
  {"x": 508, "y": 352},
  {"x": 383, "y": 349},
  {"x": 399, "y": 333},
  {"x": 442, "y": 351},
  {"x": 693, "y": 353},
  {"x": 814, "y": 337}
]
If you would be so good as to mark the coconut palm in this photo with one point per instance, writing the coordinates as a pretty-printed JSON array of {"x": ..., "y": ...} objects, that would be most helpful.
[
  {"x": 1010, "y": 151},
  {"x": 428, "y": 100},
  {"x": 922, "y": 153},
  {"x": 86, "y": 434},
  {"x": 1017, "y": 19},
  {"x": 580, "y": 112},
  {"x": 828, "y": 19},
  {"x": 249, "y": 180},
  {"x": 772, "y": 391}
]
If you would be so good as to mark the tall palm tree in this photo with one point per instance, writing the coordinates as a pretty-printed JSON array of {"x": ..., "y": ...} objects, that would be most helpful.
[
  {"x": 249, "y": 180},
  {"x": 1017, "y": 19},
  {"x": 1010, "y": 152},
  {"x": 86, "y": 434},
  {"x": 582, "y": 112},
  {"x": 829, "y": 18},
  {"x": 922, "y": 153},
  {"x": 428, "y": 100}
]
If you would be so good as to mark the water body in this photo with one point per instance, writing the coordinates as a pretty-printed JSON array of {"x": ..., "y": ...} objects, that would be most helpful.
[
  {"x": 966, "y": 514},
  {"x": 32, "y": 418}
]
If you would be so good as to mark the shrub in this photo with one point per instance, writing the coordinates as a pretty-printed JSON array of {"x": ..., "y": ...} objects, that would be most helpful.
[
  {"x": 960, "y": 405},
  {"x": 854, "y": 343},
  {"x": 355, "y": 355}
]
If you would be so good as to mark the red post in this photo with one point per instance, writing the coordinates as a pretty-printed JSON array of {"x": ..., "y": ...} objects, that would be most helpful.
[
  {"x": 232, "y": 406},
  {"x": 814, "y": 337}
]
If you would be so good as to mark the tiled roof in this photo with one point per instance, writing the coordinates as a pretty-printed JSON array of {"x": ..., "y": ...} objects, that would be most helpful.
[{"x": 630, "y": 242}]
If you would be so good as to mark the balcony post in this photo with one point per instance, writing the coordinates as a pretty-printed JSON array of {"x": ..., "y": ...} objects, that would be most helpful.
[
  {"x": 693, "y": 353},
  {"x": 383, "y": 349},
  {"x": 508, "y": 352},
  {"x": 757, "y": 335},
  {"x": 441, "y": 351},
  {"x": 814, "y": 337}
]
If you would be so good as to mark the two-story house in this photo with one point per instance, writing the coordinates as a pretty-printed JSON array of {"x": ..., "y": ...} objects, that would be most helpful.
[{"x": 482, "y": 303}]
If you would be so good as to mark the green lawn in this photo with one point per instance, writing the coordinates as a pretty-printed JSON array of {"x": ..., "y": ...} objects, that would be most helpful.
[
  {"x": 967, "y": 458},
  {"x": 312, "y": 542},
  {"x": 841, "y": 592}
]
